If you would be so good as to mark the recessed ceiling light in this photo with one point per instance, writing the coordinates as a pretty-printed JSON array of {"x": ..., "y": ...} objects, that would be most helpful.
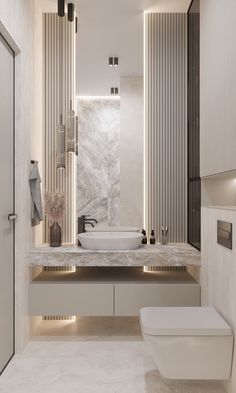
[
  {"x": 116, "y": 61},
  {"x": 110, "y": 61}
]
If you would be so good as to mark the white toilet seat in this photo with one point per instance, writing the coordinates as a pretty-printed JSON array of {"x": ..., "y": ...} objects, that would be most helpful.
[{"x": 183, "y": 321}]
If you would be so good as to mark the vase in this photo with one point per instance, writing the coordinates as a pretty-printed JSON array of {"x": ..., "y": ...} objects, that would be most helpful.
[{"x": 55, "y": 235}]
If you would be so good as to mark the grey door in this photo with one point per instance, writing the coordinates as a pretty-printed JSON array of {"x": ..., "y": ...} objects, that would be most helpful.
[{"x": 6, "y": 203}]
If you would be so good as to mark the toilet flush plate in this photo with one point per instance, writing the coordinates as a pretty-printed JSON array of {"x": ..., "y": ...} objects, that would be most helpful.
[{"x": 224, "y": 234}]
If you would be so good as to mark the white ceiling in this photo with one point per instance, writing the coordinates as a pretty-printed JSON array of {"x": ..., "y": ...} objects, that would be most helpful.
[{"x": 113, "y": 28}]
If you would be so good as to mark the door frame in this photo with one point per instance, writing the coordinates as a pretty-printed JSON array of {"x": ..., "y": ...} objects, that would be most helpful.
[{"x": 3, "y": 38}]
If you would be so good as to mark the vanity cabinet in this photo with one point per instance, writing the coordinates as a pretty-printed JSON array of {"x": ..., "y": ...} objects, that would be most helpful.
[
  {"x": 129, "y": 298},
  {"x": 71, "y": 299},
  {"x": 100, "y": 291}
]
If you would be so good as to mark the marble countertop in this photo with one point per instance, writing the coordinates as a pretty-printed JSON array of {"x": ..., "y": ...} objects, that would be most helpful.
[{"x": 148, "y": 255}]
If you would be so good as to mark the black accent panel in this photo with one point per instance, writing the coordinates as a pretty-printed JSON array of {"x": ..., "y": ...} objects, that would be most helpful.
[
  {"x": 194, "y": 213},
  {"x": 194, "y": 181}
]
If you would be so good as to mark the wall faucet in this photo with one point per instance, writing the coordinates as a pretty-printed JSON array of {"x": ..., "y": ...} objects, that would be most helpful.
[{"x": 82, "y": 222}]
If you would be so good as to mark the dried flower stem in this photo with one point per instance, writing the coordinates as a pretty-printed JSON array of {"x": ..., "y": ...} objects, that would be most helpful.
[{"x": 54, "y": 206}]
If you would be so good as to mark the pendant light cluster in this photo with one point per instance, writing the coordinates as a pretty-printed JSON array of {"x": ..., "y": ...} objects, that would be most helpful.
[
  {"x": 70, "y": 10},
  {"x": 67, "y": 136}
]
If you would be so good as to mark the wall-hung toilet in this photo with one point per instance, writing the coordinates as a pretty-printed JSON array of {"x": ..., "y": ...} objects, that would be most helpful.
[{"x": 188, "y": 342}]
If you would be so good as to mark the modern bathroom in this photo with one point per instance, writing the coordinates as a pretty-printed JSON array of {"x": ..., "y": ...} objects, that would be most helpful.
[{"x": 118, "y": 202}]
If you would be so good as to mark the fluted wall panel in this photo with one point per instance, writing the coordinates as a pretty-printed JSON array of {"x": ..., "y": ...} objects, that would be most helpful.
[
  {"x": 166, "y": 124},
  {"x": 56, "y": 103}
]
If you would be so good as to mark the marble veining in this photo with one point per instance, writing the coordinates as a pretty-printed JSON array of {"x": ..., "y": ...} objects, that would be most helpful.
[
  {"x": 98, "y": 164},
  {"x": 96, "y": 207},
  {"x": 149, "y": 255}
]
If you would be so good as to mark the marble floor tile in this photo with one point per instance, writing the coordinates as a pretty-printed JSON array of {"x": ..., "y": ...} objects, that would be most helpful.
[{"x": 79, "y": 365}]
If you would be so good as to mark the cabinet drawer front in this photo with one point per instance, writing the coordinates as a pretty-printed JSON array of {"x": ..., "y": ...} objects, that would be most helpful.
[
  {"x": 129, "y": 298},
  {"x": 71, "y": 299}
]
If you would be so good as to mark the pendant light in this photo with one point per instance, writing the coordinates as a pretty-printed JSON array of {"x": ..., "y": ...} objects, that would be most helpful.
[
  {"x": 60, "y": 130},
  {"x": 71, "y": 12},
  {"x": 77, "y": 136},
  {"x": 61, "y": 7},
  {"x": 61, "y": 145},
  {"x": 71, "y": 130}
]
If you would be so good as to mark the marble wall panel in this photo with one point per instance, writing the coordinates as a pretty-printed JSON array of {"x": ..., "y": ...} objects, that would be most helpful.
[
  {"x": 98, "y": 164},
  {"x": 96, "y": 207},
  {"x": 114, "y": 211}
]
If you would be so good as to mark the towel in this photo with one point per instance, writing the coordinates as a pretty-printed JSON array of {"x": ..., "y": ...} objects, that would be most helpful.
[{"x": 35, "y": 189}]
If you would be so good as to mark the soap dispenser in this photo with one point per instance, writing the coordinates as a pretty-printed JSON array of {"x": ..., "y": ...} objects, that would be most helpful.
[
  {"x": 152, "y": 237},
  {"x": 144, "y": 240}
]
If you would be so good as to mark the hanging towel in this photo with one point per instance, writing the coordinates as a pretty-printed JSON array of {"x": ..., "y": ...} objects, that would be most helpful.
[{"x": 35, "y": 189}]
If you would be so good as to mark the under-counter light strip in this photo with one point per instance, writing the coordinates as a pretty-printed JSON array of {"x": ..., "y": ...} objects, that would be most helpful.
[
  {"x": 156, "y": 269},
  {"x": 71, "y": 318},
  {"x": 64, "y": 269}
]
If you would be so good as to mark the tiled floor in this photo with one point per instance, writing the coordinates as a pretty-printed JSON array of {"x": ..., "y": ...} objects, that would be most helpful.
[{"x": 102, "y": 355}]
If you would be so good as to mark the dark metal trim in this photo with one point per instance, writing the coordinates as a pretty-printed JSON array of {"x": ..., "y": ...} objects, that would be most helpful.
[
  {"x": 191, "y": 179},
  {"x": 14, "y": 199},
  {"x": 194, "y": 246},
  {"x": 188, "y": 241},
  {"x": 190, "y": 6},
  {"x": 4, "y": 368},
  {"x": 76, "y": 25}
]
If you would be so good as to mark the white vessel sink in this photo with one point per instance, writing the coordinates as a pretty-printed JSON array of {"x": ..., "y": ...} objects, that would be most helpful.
[
  {"x": 110, "y": 240},
  {"x": 112, "y": 229}
]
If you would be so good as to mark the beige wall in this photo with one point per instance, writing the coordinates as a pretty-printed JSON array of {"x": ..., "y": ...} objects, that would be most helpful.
[
  {"x": 22, "y": 20},
  {"x": 218, "y": 272},
  {"x": 17, "y": 17},
  {"x": 217, "y": 86},
  {"x": 219, "y": 190}
]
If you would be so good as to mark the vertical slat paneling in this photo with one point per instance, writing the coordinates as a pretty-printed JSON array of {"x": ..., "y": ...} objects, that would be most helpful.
[
  {"x": 61, "y": 180},
  {"x": 165, "y": 124}
]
